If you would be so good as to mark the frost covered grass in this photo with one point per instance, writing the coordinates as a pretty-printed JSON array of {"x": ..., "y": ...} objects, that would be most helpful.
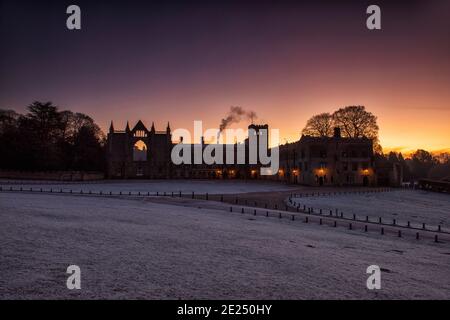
[
  {"x": 403, "y": 205},
  {"x": 140, "y": 249},
  {"x": 153, "y": 186}
]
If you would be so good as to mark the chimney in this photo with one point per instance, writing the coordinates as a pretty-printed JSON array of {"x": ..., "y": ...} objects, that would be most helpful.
[{"x": 337, "y": 132}]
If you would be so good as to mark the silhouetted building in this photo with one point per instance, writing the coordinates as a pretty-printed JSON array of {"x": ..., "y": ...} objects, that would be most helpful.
[
  {"x": 139, "y": 152},
  {"x": 328, "y": 161},
  {"x": 315, "y": 161},
  {"x": 143, "y": 153}
]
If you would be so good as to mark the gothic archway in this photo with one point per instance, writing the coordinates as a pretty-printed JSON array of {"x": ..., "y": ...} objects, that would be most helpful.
[{"x": 140, "y": 151}]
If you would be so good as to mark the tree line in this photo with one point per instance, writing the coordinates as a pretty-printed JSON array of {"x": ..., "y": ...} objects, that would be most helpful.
[
  {"x": 422, "y": 164},
  {"x": 47, "y": 139}
]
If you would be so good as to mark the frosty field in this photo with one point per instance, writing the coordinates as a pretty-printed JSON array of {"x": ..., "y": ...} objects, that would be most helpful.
[
  {"x": 403, "y": 205},
  {"x": 140, "y": 249},
  {"x": 153, "y": 186}
]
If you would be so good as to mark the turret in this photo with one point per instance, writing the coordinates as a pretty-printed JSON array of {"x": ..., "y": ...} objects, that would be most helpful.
[
  {"x": 152, "y": 130},
  {"x": 127, "y": 128},
  {"x": 111, "y": 128}
]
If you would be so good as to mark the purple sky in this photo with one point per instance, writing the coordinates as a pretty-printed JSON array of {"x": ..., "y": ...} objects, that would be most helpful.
[{"x": 179, "y": 62}]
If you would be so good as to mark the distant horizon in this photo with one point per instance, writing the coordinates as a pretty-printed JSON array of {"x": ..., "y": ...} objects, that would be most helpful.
[{"x": 121, "y": 124}]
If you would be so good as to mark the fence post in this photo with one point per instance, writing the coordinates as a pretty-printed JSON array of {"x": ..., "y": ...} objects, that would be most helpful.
[
  {"x": 399, "y": 233},
  {"x": 436, "y": 238},
  {"x": 439, "y": 228},
  {"x": 293, "y": 217},
  {"x": 417, "y": 236},
  {"x": 335, "y": 224},
  {"x": 382, "y": 230},
  {"x": 306, "y": 220},
  {"x": 365, "y": 228},
  {"x": 242, "y": 210},
  {"x": 320, "y": 221},
  {"x": 231, "y": 209},
  {"x": 350, "y": 226},
  {"x": 423, "y": 226},
  {"x": 267, "y": 213}
]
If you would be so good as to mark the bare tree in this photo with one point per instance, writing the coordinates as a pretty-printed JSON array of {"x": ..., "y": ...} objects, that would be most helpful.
[
  {"x": 356, "y": 122},
  {"x": 320, "y": 125}
]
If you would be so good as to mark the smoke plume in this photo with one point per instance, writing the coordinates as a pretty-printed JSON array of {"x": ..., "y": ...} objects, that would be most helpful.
[{"x": 235, "y": 115}]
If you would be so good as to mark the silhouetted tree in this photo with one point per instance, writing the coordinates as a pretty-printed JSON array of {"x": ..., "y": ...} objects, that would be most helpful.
[
  {"x": 48, "y": 139},
  {"x": 421, "y": 163},
  {"x": 354, "y": 121},
  {"x": 320, "y": 125}
]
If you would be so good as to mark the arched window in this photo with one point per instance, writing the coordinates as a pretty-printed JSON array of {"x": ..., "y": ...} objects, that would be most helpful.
[{"x": 140, "y": 151}]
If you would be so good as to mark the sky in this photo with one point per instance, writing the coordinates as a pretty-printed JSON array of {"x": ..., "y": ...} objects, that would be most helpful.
[{"x": 192, "y": 60}]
